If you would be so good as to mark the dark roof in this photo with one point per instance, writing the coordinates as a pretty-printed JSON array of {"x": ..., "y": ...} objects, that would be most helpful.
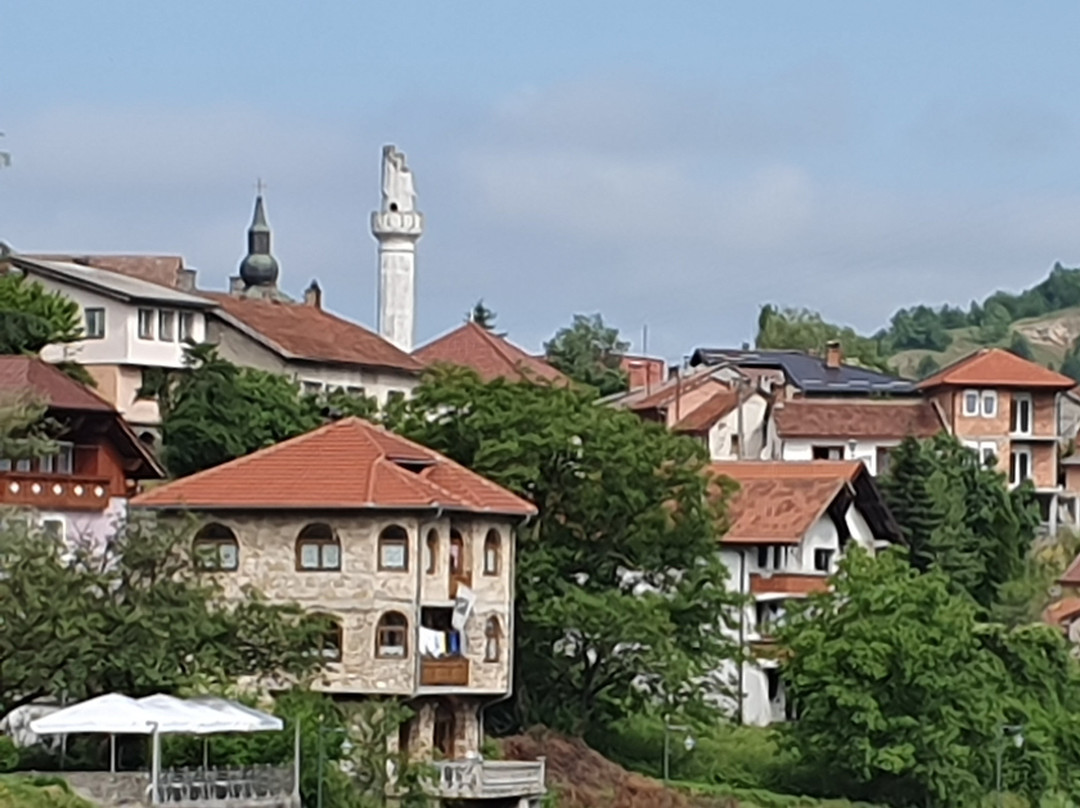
[{"x": 809, "y": 373}]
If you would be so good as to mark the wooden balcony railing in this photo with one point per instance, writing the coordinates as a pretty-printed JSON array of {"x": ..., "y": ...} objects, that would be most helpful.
[
  {"x": 488, "y": 779},
  {"x": 444, "y": 672},
  {"x": 58, "y": 492}
]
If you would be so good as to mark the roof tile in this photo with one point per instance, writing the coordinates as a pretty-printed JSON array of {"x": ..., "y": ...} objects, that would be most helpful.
[
  {"x": 491, "y": 356},
  {"x": 346, "y": 464},
  {"x": 819, "y": 418},
  {"x": 708, "y": 413},
  {"x": 995, "y": 367}
]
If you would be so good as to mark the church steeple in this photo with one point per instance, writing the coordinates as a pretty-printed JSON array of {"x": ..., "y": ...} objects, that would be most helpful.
[{"x": 259, "y": 267}]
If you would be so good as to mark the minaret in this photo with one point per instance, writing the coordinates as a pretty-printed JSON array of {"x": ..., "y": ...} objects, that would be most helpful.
[{"x": 397, "y": 227}]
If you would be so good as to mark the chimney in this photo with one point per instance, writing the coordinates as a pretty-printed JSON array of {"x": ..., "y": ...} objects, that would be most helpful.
[
  {"x": 237, "y": 286},
  {"x": 185, "y": 279},
  {"x": 834, "y": 354},
  {"x": 313, "y": 295}
]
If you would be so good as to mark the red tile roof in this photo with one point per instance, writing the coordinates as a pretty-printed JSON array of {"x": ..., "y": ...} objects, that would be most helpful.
[
  {"x": 55, "y": 388},
  {"x": 665, "y": 394},
  {"x": 1071, "y": 576},
  {"x": 346, "y": 464},
  {"x": 490, "y": 355},
  {"x": 1060, "y": 613},
  {"x": 307, "y": 332},
  {"x": 814, "y": 418},
  {"x": 703, "y": 417},
  {"x": 995, "y": 367},
  {"x": 778, "y": 501},
  {"x": 160, "y": 269}
]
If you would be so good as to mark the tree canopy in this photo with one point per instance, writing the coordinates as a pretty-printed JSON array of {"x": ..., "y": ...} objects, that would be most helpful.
[
  {"x": 32, "y": 317},
  {"x": 214, "y": 411},
  {"x": 589, "y": 352},
  {"x": 804, "y": 330},
  {"x": 619, "y": 588}
]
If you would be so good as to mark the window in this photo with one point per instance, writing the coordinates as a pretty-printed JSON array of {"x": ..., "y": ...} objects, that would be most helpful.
[
  {"x": 971, "y": 403},
  {"x": 216, "y": 548},
  {"x": 312, "y": 388},
  {"x": 187, "y": 326},
  {"x": 491, "y": 552},
  {"x": 432, "y": 551},
  {"x": 47, "y": 464},
  {"x": 823, "y": 560},
  {"x": 989, "y": 404},
  {"x": 331, "y": 640},
  {"x": 735, "y": 446},
  {"x": 1019, "y": 465},
  {"x": 166, "y": 322},
  {"x": 457, "y": 552},
  {"x": 391, "y": 636},
  {"x": 394, "y": 548},
  {"x": 883, "y": 460},
  {"x": 65, "y": 458},
  {"x": 23, "y": 464},
  {"x": 357, "y": 392},
  {"x": 772, "y": 556},
  {"x": 146, "y": 323},
  {"x": 317, "y": 548},
  {"x": 827, "y": 452},
  {"x": 1020, "y": 414},
  {"x": 54, "y": 528},
  {"x": 492, "y": 636},
  {"x": 986, "y": 451},
  {"x": 94, "y": 323},
  {"x": 767, "y": 613},
  {"x": 394, "y": 395}
]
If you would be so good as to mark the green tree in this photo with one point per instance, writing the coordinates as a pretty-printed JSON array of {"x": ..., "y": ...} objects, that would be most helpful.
[
  {"x": 620, "y": 593},
  {"x": 995, "y": 323},
  {"x": 805, "y": 330},
  {"x": 1071, "y": 365},
  {"x": 1020, "y": 346},
  {"x": 214, "y": 411},
  {"x": 591, "y": 353},
  {"x": 32, "y": 317},
  {"x": 133, "y": 615},
  {"x": 959, "y": 516},
  {"x": 928, "y": 366},
  {"x": 898, "y": 699}
]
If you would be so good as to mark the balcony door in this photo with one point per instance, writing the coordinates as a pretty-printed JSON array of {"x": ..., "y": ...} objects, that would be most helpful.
[
  {"x": 445, "y": 730},
  {"x": 1020, "y": 414}
]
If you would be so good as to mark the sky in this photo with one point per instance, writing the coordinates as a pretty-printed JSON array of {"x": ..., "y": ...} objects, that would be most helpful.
[{"x": 672, "y": 164}]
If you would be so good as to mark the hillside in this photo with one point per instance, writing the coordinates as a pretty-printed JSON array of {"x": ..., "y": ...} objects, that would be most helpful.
[{"x": 1050, "y": 336}]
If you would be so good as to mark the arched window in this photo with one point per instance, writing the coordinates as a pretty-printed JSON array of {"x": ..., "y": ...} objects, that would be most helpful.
[
  {"x": 331, "y": 641},
  {"x": 492, "y": 549},
  {"x": 432, "y": 551},
  {"x": 457, "y": 552},
  {"x": 317, "y": 548},
  {"x": 391, "y": 636},
  {"x": 394, "y": 548},
  {"x": 215, "y": 548},
  {"x": 492, "y": 639}
]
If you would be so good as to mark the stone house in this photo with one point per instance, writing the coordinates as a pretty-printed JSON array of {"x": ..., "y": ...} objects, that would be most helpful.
[{"x": 412, "y": 557}]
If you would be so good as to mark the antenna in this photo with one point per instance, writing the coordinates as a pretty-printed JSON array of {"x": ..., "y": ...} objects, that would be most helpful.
[{"x": 5, "y": 157}]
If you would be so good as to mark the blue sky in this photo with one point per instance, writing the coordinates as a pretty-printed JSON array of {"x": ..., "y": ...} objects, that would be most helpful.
[{"x": 676, "y": 164}]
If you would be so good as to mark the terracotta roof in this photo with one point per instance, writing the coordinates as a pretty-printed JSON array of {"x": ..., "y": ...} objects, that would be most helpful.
[
  {"x": 703, "y": 417},
  {"x": 778, "y": 501},
  {"x": 57, "y": 389},
  {"x": 346, "y": 464},
  {"x": 160, "y": 269},
  {"x": 1071, "y": 576},
  {"x": 820, "y": 418},
  {"x": 665, "y": 393},
  {"x": 490, "y": 355},
  {"x": 995, "y": 367},
  {"x": 1057, "y": 614},
  {"x": 300, "y": 331}
]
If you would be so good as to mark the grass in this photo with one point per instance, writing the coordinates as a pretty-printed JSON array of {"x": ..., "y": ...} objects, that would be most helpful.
[
  {"x": 19, "y": 791},
  {"x": 705, "y": 794}
]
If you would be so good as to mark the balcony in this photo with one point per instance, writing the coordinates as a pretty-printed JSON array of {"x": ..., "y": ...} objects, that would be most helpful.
[
  {"x": 444, "y": 672},
  {"x": 488, "y": 779},
  {"x": 54, "y": 492},
  {"x": 788, "y": 583}
]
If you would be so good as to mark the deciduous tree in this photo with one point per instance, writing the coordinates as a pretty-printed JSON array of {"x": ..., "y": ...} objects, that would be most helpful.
[{"x": 589, "y": 352}]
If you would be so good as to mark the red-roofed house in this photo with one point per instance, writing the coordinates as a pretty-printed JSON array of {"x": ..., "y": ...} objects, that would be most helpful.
[
  {"x": 1007, "y": 409},
  {"x": 82, "y": 489},
  {"x": 411, "y": 554},
  {"x": 490, "y": 355},
  {"x": 790, "y": 524}
]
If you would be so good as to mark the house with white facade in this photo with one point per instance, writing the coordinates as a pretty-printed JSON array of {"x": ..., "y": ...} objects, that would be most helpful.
[
  {"x": 80, "y": 491},
  {"x": 866, "y": 430},
  {"x": 791, "y": 523}
]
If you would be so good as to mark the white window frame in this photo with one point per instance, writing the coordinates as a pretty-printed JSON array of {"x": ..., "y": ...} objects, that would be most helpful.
[
  {"x": 776, "y": 557},
  {"x": 65, "y": 458},
  {"x": 187, "y": 326},
  {"x": 988, "y": 397},
  {"x": 970, "y": 412},
  {"x": 61, "y": 532},
  {"x": 981, "y": 447},
  {"x": 166, "y": 319},
  {"x": 1014, "y": 456},
  {"x": 93, "y": 316},
  {"x": 146, "y": 324},
  {"x": 1026, "y": 400}
]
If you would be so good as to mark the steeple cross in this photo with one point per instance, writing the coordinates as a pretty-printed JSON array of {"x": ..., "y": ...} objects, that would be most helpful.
[{"x": 260, "y": 186}]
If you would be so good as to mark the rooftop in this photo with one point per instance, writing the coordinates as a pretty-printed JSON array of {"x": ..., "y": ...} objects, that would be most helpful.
[
  {"x": 809, "y": 373},
  {"x": 163, "y": 270},
  {"x": 347, "y": 464},
  {"x": 109, "y": 282},
  {"x": 490, "y": 355},
  {"x": 996, "y": 367},
  {"x": 854, "y": 419},
  {"x": 709, "y": 412}
]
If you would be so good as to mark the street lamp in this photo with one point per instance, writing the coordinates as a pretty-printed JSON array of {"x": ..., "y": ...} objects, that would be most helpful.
[
  {"x": 1014, "y": 731},
  {"x": 688, "y": 743}
]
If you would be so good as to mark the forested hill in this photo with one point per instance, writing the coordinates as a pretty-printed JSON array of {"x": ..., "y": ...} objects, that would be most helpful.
[{"x": 1041, "y": 323}]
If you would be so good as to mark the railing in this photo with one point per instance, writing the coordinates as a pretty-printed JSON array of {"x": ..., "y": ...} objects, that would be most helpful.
[
  {"x": 61, "y": 492},
  {"x": 444, "y": 671},
  {"x": 265, "y": 784},
  {"x": 489, "y": 779}
]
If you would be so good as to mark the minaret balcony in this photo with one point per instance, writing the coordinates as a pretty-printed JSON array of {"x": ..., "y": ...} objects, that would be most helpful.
[{"x": 397, "y": 223}]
